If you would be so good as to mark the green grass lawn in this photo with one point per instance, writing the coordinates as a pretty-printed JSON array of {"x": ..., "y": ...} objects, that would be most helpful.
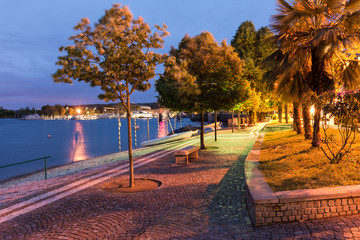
[
  {"x": 276, "y": 121},
  {"x": 288, "y": 162}
]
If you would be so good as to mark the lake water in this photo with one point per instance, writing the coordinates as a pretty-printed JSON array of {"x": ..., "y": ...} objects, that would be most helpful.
[{"x": 69, "y": 141}]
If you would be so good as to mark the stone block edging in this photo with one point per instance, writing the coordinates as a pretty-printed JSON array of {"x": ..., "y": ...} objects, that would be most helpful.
[{"x": 266, "y": 206}]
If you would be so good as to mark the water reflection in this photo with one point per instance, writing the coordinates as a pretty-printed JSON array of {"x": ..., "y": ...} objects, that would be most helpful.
[
  {"x": 162, "y": 129},
  {"x": 78, "y": 144}
]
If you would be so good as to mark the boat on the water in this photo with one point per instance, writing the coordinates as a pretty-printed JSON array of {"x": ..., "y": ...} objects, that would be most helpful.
[
  {"x": 141, "y": 114},
  {"x": 167, "y": 139},
  {"x": 32, "y": 117}
]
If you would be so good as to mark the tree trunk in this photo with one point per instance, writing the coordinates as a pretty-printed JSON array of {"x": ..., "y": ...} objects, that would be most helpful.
[
  {"x": 215, "y": 126},
  {"x": 251, "y": 117},
  {"x": 131, "y": 162},
  {"x": 286, "y": 114},
  {"x": 316, "y": 128},
  {"x": 259, "y": 116},
  {"x": 280, "y": 112},
  {"x": 307, "y": 120},
  {"x": 202, "y": 141},
  {"x": 319, "y": 83},
  {"x": 232, "y": 121},
  {"x": 238, "y": 120},
  {"x": 297, "y": 120}
]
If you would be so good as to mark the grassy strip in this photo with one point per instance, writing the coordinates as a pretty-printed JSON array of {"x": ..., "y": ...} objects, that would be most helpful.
[
  {"x": 288, "y": 163},
  {"x": 276, "y": 121}
]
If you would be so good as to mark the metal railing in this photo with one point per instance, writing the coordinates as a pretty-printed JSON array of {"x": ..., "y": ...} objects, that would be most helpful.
[{"x": 32, "y": 160}]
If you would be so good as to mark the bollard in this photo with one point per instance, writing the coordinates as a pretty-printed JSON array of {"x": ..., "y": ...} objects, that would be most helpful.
[
  {"x": 158, "y": 125},
  {"x": 148, "y": 132},
  {"x": 45, "y": 168},
  {"x": 119, "y": 127},
  {"x": 135, "y": 133},
  {"x": 180, "y": 121}
]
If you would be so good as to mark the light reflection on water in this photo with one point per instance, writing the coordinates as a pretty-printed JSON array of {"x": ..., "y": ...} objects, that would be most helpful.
[
  {"x": 79, "y": 143},
  {"x": 162, "y": 129},
  {"x": 70, "y": 141}
]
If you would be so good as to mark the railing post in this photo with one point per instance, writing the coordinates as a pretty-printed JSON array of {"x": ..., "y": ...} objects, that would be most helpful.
[
  {"x": 45, "y": 168},
  {"x": 135, "y": 132},
  {"x": 148, "y": 132}
]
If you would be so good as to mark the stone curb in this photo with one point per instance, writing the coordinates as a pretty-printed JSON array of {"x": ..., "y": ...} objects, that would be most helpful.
[{"x": 266, "y": 206}]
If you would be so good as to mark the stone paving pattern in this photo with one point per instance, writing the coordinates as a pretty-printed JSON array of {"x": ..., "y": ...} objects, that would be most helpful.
[{"x": 203, "y": 200}]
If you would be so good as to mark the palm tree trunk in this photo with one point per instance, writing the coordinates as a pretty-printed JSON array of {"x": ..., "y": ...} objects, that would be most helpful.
[
  {"x": 319, "y": 83},
  {"x": 131, "y": 162},
  {"x": 307, "y": 121},
  {"x": 280, "y": 112},
  {"x": 297, "y": 120},
  {"x": 286, "y": 113},
  {"x": 316, "y": 128},
  {"x": 202, "y": 141}
]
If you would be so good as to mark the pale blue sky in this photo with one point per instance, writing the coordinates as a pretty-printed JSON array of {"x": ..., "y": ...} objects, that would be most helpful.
[{"x": 31, "y": 33}]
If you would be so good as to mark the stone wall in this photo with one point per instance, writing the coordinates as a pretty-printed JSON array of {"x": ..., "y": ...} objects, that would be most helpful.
[{"x": 266, "y": 207}]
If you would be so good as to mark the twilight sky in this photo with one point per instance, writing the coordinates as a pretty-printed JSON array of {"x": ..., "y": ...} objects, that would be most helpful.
[{"x": 31, "y": 33}]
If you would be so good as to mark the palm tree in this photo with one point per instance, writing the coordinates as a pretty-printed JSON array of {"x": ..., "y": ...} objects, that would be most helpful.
[
  {"x": 316, "y": 31},
  {"x": 287, "y": 77}
]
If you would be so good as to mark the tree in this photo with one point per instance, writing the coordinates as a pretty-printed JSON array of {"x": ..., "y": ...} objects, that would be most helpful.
[
  {"x": 71, "y": 111},
  {"x": 254, "y": 46},
  {"x": 244, "y": 40},
  {"x": 250, "y": 104},
  {"x": 50, "y": 110},
  {"x": 201, "y": 75},
  {"x": 5, "y": 113},
  {"x": 280, "y": 111},
  {"x": 288, "y": 79},
  {"x": 317, "y": 32},
  {"x": 116, "y": 55},
  {"x": 61, "y": 110},
  {"x": 344, "y": 107}
]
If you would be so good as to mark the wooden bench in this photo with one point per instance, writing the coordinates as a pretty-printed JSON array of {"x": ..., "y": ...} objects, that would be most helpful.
[{"x": 182, "y": 155}]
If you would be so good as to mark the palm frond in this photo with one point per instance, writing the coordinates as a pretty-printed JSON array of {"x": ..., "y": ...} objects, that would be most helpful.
[
  {"x": 350, "y": 22},
  {"x": 350, "y": 75},
  {"x": 328, "y": 37},
  {"x": 334, "y": 4},
  {"x": 352, "y": 5}
]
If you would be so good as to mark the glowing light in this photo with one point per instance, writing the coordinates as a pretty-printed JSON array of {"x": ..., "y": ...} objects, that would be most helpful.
[
  {"x": 312, "y": 110},
  {"x": 78, "y": 110}
]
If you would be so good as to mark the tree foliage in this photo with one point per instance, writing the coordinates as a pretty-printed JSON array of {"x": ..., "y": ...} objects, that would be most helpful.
[
  {"x": 6, "y": 113},
  {"x": 201, "y": 75},
  {"x": 116, "y": 55},
  {"x": 254, "y": 46},
  {"x": 317, "y": 32},
  {"x": 344, "y": 108}
]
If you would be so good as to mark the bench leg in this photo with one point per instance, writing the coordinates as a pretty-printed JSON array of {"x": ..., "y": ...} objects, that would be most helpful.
[
  {"x": 181, "y": 159},
  {"x": 194, "y": 155}
]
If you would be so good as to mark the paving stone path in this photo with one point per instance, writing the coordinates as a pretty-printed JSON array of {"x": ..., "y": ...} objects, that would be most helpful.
[{"x": 203, "y": 200}]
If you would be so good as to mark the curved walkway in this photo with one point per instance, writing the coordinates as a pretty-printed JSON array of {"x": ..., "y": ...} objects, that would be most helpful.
[{"x": 203, "y": 200}]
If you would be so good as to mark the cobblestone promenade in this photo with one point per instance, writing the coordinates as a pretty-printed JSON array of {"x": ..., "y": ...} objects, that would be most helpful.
[{"x": 203, "y": 200}]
